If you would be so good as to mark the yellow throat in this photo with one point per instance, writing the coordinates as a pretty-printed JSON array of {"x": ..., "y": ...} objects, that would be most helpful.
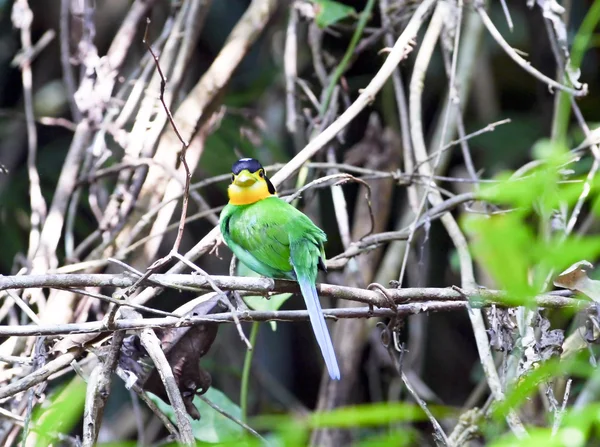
[{"x": 249, "y": 187}]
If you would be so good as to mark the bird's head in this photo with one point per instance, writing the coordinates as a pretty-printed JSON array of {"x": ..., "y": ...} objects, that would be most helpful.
[{"x": 249, "y": 182}]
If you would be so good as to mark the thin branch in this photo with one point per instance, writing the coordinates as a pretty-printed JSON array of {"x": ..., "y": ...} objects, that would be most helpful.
[
  {"x": 290, "y": 63},
  {"x": 522, "y": 62},
  {"x": 234, "y": 419},
  {"x": 65, "y": 58},
  {"x": 98, "y": 390},
  {"x": 401, "y": 104},
  {"x": 366, "y": 97},
  {"x": 266, "y": 286},
  {"x": 341, "y": 67},
  {"x": 410, "y": 308},
  {"x": 149, "y": 402},
  {"x": 454, "y": 231},
  {"x": 20, "y": 385},
  {"x": 152, "y": 344},
  {"x": 184, "y": 146},
  {"x": 22, "y": 17}
]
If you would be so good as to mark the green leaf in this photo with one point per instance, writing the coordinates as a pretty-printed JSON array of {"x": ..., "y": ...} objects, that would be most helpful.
[
  {"x": 406, "y": 436},
  {"x": 212, "y": 427},
  {"x": 372, "y": 415},
  {"x": 557, "y": 255},
  {"x": 503, "y": 245},
  {"x": 274, "y": 302},
  {"x": 330, "y": 12},
  {"x": 63, "y": 413}
]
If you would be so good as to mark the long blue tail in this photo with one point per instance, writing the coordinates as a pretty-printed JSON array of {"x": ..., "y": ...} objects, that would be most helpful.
[{"x": 317, "y": 320}]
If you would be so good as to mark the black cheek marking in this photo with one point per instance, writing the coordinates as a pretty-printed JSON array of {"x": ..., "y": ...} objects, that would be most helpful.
[{"x": 270, "y": 186}]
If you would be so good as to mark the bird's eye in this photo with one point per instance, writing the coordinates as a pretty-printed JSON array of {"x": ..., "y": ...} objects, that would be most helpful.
[
  {"x": 232, "y": 177},
  {"x": 261, "y": 173}
]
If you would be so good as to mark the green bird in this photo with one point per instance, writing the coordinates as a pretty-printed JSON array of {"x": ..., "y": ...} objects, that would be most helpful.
[{"x": 274, "y": 239}]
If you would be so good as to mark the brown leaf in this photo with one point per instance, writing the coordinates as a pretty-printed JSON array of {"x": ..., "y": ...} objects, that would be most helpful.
[
  {"x": 183, "y": 347},
  {"x": 576, "y": 278}
]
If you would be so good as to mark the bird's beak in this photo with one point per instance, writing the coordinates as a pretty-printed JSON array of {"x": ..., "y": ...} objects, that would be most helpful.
[{"x": 244, "y": 179}]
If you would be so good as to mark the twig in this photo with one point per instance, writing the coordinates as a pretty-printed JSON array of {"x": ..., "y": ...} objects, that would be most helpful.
[
  {"x": 291, "y": 71},
  {"x": 366, "y": 97},
  {"x": 509, "y": 21},
  {"x": 223, "y": 297},
  {"x": 24, "y": 307},
  {"x": 152, "y": 344},
  {"x": 22, "y": 16},
  {"x": 488, "y": 128},
  {"x": 16, "y": 360},
  {"x": 372, "y": 241},
  {"x": 409, "y": 308},
  {"x": 401, "y": 105},
  {"x": 149, "y": 402},
  {"x": 65, "y": 58},
  {"x": 139, "y": 417},
  {"x": 39, "y": 375},
  {"x": 454, "y": 97},
  {"x": 234, "y": 419},
  {"x": 184, "y": 146},
  {"x": 466, "y": 264},
  {"x": 365, "y": 15},
  {"x": 315, "y": 37},
  {"x": 389, "y": 338},
  {"x": 560, "y": 412},
  {"x": 98, "y": 390},
  {"x": 121, "y": 302},
  {"x": 39, "y": 360},
  {"x": 522, "y": 62}
]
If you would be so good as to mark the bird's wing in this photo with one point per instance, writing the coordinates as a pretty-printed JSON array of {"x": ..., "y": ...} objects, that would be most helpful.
[{"x": 259, "y": 236}]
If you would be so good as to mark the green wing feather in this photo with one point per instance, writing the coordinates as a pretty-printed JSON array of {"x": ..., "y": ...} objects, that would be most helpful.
[{"x": 265, "y": 231}]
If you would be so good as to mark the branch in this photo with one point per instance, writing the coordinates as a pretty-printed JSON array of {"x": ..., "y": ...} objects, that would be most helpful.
[
  {"x": 266, "y": 286},
  {"x": 152, "y": 344},
  {"x": 434, "y": 197},
  {"x": 525, "y": 65},
  {"x": 39, "y": 375},
  {"x": 251, "y": 316},
  {"x": 366, "y": 97},
  {"x": 98, "y": 390}
]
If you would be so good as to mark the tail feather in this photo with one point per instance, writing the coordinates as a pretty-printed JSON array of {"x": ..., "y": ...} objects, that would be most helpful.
[{"x": 317, "y": 320}]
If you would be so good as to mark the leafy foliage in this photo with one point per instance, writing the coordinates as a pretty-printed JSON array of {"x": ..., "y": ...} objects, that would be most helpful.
[
  {"x": 63, "y": 412},
  {"x": 329, "y": 12},
  {"x": 212, "y": 427},
  {"x": 522, "y": 245}
]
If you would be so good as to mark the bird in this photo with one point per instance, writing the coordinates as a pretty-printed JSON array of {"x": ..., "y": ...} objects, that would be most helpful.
[{"x": 276, "y": 240}]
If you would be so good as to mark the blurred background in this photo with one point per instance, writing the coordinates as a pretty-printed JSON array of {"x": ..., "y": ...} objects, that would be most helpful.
[{"x": 442, "y": 358}]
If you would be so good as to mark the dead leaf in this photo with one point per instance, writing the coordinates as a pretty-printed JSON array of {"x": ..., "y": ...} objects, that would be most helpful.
[
  {"x": 551, "y": 340},
  {"x": 183, "y": 347},
  {"x": 502, "y": 328},
  {"x": 576, "y": 278}
]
